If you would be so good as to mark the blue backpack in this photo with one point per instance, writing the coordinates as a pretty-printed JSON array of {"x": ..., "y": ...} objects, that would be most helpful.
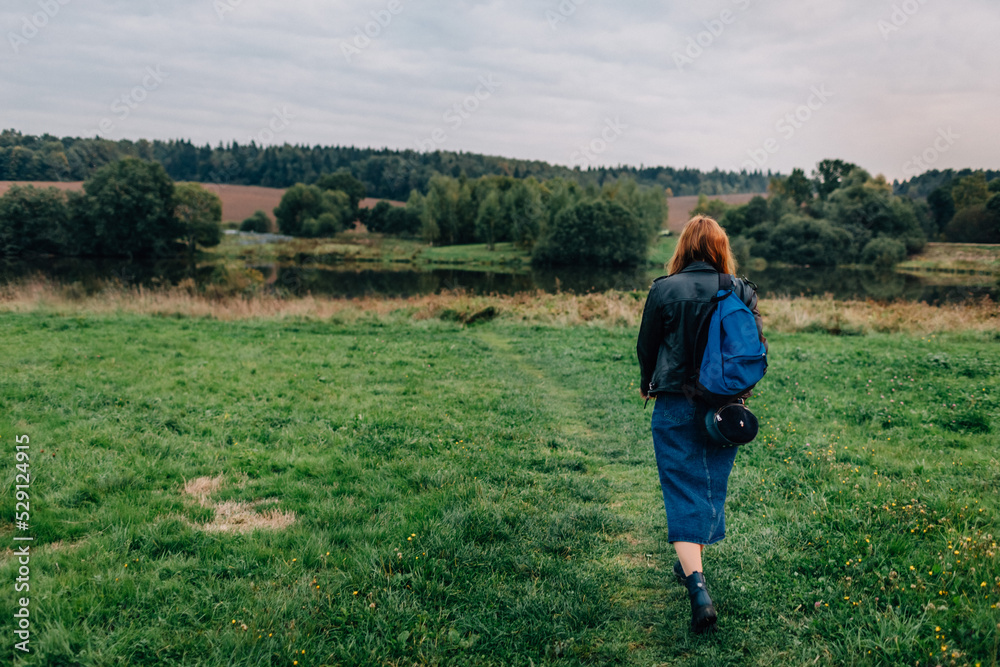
[{"x": 729, "y": 357}]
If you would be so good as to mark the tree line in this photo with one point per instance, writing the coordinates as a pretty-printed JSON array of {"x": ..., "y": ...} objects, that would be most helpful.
[
  {"x": 129, "y": 207},
  {"x": 841, "y": 215},
  {"x": 844, "y": 215},
  {"x": 559, "y": 221},
  {"x": 386, "y": 174}
]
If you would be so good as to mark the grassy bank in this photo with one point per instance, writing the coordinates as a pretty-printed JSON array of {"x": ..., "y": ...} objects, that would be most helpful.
[
  {"x": 363, "y": 247},
  {"x": 956, "y": 258},
  {"x": 389, "y": 488}
]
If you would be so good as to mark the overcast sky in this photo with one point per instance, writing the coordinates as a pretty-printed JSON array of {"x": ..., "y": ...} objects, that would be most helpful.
[{"x": 716, "y": 83}]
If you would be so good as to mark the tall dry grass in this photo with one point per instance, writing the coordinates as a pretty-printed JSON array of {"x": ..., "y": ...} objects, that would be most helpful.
[{"x": 620, "y": 309}]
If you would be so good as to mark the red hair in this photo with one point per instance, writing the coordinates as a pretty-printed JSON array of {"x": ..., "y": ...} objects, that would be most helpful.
[{"x": 703, "y": 239}]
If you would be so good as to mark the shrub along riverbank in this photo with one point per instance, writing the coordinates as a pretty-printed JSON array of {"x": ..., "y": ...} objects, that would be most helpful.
[{"x": 429, "y": 492}]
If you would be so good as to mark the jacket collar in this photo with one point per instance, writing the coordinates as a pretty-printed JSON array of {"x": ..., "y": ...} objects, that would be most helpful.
[{"x": 698, "y": 265}]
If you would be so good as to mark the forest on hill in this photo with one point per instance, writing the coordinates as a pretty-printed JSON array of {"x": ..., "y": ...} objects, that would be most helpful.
[{"x": 386, "y": 173}]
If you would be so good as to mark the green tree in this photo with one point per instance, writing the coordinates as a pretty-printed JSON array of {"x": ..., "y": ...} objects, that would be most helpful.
[
  {"x": 326, "y": 223},
  {"x": 558, "y": 194},
  {"x": 739, "y": 219},
  {"x": 942, "y": 206},
  {"x": 199, "y": 215},
  {"x": 883, "y": 252},
  {"x": 302, "y": 206},
  {"x": 376, "y": 219},
  {"x": 440, "y": 217},
  {"x": 713, "y": 208},
  {"x": 801, "y": 240},
  {"x": 343, "y": 180},
  {"x": 866, "y": 208},
  {"x": 829, "y": 175},
  {"x": 798, "y": 187},
  {"x": 976, "y": 224},
  {"x": 129, "y": 209},
  {"x": 258, "y": 222},
  {"x": 970, "y": 191},
  {"x": 593, "y": 233},
  {"x": 401, "y": 222},
  {"x": 649, "y": 204},
  {"x": 31, "y": 219},
  {"x": 523, "y": 207},
  {"x": 490, "y": 219}
]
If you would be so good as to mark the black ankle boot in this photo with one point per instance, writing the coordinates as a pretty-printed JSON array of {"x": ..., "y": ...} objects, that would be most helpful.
[
  {"x": 703, "y": 615},
  {"x": 679, "y": 573}
]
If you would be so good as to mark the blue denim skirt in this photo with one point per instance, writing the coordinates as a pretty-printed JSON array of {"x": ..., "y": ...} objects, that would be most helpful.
[{"x": 694, "y": 474}]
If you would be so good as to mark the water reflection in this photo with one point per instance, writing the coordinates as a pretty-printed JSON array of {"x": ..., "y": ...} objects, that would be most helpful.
[
  {"x": 361, "y": 279},
  {"x": 863, "y": 283}
]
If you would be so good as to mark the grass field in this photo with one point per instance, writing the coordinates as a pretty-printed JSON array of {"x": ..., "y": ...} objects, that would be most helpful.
[{"x": 371, "y": 488}]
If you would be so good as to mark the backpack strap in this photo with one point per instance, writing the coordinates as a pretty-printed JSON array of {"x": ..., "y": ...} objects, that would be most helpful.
[{"x": 701, "y": 336}]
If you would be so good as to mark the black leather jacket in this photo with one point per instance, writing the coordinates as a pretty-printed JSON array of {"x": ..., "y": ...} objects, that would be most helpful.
[{"x": 675, "y": 306}]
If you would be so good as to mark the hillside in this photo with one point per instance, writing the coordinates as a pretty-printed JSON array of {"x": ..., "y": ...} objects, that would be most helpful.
[{"x": 681, "y": 207}]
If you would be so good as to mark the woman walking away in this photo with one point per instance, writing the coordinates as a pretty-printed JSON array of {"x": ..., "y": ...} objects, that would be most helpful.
[{"x": 694, "y": 472}]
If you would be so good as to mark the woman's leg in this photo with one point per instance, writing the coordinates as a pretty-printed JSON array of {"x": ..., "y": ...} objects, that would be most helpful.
[{"x": 689, "y": 555}]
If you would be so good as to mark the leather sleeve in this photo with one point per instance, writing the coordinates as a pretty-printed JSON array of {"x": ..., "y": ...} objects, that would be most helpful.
[
  {"x": 749, "y": 296},
  {"x": 650, "y": 337}
]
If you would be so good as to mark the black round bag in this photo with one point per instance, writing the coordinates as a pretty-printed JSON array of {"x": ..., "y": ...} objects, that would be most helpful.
[{"x": 731, "y": 425}]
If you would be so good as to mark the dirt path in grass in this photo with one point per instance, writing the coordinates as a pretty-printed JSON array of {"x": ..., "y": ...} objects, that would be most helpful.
[
  {"x": 637, "y": 497},
  {"x": 562, "y": 401}
]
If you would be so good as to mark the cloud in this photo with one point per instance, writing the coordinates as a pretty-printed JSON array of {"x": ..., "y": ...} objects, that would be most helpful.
[{"x": 565, "y": 68}]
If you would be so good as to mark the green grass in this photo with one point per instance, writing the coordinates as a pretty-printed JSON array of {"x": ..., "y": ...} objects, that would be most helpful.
[
  {"x": 343, "y": 247},
  {"x": 956, "y": 257},
  {"x": 487, "y": 496},
  {"x": 476, "y": 254},
  {"x": 661, "y": 250},
  {"x": 370, "y": 248},
  {"x": 377, "y": 248}
]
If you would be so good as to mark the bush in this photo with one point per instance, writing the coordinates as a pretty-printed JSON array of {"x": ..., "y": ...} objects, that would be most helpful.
[
  {"x": 258, "y": 222},
  {"x": 742, "y": 251},
  {"x": 800, "y": 240},
  {"x": 31, "y": 219},
  {"x": 199, "y": 215},
  {"x": 376, "y": 219},
  {"x": 402, "y": 222},
  {"x": 883, "y": 252},
  {"x": 593, "y": 233},
  {"x": 327, "y": 224},
  {"x": 976, "y": 224},
  {"x": 738, "y": 219},
  {"x": 302, "y": 206}
]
